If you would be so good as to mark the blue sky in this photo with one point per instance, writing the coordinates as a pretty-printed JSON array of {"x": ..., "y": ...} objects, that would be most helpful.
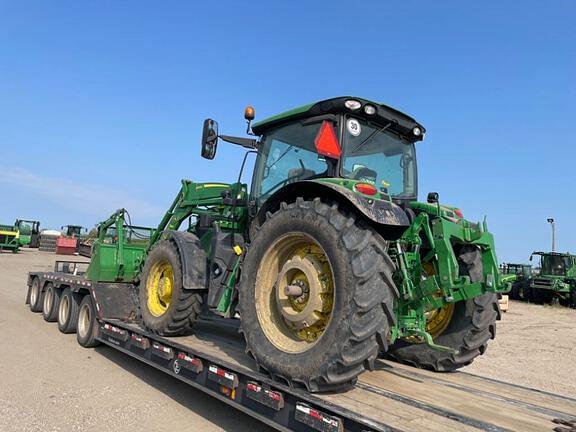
[{"x": 102, "y": 102}]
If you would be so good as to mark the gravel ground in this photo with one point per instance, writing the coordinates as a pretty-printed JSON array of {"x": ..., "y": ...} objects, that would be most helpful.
[
  {"x": 49, "y": 383},
  {"x": 535, "y": 346}
]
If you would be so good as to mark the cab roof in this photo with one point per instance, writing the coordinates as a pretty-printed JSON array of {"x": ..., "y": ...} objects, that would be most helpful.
[{"x": 401, "y": 123}]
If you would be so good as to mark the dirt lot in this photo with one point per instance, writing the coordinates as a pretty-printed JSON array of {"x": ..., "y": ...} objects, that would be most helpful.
[
  {"x": 49, "y": 383},
  {"x": 535, "y": 346}
]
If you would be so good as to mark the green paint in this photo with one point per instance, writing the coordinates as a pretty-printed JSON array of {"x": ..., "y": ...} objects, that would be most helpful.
[{"x": 283, "y": 116}]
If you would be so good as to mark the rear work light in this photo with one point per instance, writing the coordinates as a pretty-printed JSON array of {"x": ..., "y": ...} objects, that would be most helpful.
[{"x": 366, "y": 188}]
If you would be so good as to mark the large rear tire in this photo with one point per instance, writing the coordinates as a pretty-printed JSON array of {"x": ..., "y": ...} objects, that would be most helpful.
[
  {"x": 469, "y": 326},
  {"x": 337, "y": 318},
  {"x": 167, "y": 308}
]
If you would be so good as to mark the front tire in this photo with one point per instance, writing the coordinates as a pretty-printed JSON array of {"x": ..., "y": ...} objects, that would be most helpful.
[
  {"x": 167, "y": 308},
  {"x": 332, "y": 327}
]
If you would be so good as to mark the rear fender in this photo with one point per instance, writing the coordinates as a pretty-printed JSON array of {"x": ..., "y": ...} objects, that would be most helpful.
[
  {"x": 192, "y": 259},
  {"x": 379, "y": 212}
]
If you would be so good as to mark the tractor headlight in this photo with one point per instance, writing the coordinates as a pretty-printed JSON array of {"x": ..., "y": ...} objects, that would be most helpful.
[
  {"x": 352, "y": 104},
  {"x": 417, "y": 131},
  {"x": 370, "y": 109}
]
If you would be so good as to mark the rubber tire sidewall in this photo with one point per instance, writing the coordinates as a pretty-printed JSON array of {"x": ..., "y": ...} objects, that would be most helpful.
[
  {"x": 298, "y": 367},
  {"x": 52, "y": 314},
  {"x": 164, "y": 250},
  {"x": 89, "y": 340},
  {"x": 74, "y": 301},
  {"x": 38, "y": 304}
]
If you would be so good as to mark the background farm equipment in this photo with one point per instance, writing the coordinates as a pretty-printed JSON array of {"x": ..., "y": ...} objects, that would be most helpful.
[
  {"x": 556, "y": 280},
  {"x": 29, "y": 232},
  {"x": 9, "y": 238},
  {"x": 521, "y": 285}
]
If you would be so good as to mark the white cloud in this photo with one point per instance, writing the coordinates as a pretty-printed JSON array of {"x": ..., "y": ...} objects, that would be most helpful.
[{"x": 90, "y": 199}]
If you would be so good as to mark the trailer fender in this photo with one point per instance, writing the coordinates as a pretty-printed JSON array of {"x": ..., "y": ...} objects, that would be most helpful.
[{"x": 192, "y": 259}]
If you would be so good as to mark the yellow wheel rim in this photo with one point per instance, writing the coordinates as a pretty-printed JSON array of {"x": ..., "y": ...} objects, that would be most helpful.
[
  {"x": 294, "y": 321},
  {"x": 159, "y": 287},
  {"x": 437, "y": 320}
]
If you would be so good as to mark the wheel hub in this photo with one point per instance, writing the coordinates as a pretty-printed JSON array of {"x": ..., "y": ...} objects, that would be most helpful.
[
  {"x": 294, "y": 292},
  {"x": 300, "y": 311}
]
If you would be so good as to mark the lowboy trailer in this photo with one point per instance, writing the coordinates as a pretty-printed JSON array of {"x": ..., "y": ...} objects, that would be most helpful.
[{"x": 393, "y": 397}]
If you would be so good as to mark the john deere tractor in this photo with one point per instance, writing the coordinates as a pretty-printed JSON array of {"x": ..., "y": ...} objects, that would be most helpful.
[
  {"x": 521, "y": 285},
  {"x": 327, "y": 258},
  {"x": 29, "y": 232},
  {"x": 556, "y": 280}
]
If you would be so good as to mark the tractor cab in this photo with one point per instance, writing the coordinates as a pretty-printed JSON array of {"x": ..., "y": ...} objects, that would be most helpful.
[
  {"x": 29, "y": 232},
  {"x": 369, "y": 146},
  {"x": 76, "y": 231},
  {"x": 555, "y": 264},
  {"x": 363, "y": 146}
]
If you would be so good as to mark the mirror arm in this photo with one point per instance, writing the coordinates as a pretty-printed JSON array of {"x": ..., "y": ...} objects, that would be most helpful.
[{"x": 249, "y": 143}]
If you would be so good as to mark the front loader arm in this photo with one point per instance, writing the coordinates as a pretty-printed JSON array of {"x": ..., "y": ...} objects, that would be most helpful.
[{"x": 193, "y": 198}]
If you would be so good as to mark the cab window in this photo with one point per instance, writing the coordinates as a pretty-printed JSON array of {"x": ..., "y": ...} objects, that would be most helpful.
[{"x": 288, "y": 155}]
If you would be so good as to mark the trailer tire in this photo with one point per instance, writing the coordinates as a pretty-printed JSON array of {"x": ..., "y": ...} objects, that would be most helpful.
[
  {"x": 50, "y": 302},
  {"x": 88, "y": 328},
  {"x": 176, "y": 315},
  {"x": 36, "y": 296},
  {"x": 471, "y": 326},
  {"x": 363, "y": 297},
  {"x": 68, "y": 308}
]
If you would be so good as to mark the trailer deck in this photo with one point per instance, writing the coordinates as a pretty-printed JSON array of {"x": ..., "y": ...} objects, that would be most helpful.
[{"x": 394, "y": 397}]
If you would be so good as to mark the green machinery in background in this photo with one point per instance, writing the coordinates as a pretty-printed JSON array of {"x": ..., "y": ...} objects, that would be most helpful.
[
  {"x": 328, "y": 258},
  {"x": 75, "y": 231},
  {"x": 9, "y": 238},
  {"x": 29, "y": 232},
  {"x": 556, "y": 280},
  {"x": 521, "y": 286}
]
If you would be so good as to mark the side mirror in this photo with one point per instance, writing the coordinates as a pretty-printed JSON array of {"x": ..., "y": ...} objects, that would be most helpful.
[
  {"x": 209, "y": 138},
  {"x": 530, "y": 257}
]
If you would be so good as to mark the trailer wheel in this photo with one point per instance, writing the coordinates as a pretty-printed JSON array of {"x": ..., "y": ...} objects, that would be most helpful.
[
  {"x": 36, "y": 296},
  {"x": 167, "y": 308},
  {"x": 50, "y": 302},
  {"x": 316, "y": 296},
  {"x": 88, "y": 328},
  {"x": 68, "y": 308},
  {"x": 465, "y": 326}
]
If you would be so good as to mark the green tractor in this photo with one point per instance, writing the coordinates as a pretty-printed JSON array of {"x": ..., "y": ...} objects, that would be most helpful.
[
  {"x": 75, "y": 231},
  {"x": 521, "y": 286},
  {"x": 328, "y": 259},
  {"x": 556, "y": 280},
  {"x": 9, "y": 238},
  {"x": 29, "y": 232}
]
